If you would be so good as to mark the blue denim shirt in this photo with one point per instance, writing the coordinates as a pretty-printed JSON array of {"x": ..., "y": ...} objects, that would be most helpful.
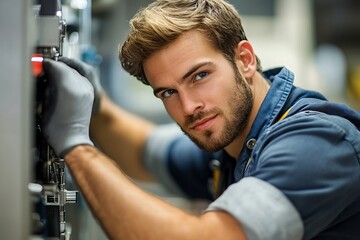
[
  {"x": 297, "y": 178},
  {"x": 280, "y": 98}
]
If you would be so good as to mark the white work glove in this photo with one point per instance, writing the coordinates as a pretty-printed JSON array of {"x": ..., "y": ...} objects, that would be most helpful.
[
  {"x": 88, "y": 72},
  {"x": 67, "y": 111}
]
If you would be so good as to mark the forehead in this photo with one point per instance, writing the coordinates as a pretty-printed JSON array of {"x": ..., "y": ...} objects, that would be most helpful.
[{"x": 178, "y": 57}]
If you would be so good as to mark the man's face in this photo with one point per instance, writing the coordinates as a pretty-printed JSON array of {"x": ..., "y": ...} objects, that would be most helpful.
[{"x": 204, "y": 93}]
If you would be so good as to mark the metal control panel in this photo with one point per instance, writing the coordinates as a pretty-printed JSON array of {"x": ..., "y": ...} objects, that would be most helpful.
[{"x": 49, "y": 195}]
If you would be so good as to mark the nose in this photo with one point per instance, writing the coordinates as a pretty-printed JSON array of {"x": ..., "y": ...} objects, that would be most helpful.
[{"x": 190, "y": 102}]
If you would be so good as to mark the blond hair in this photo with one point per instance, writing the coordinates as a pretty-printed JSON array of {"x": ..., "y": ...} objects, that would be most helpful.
[{"x": 163, "y": 21}]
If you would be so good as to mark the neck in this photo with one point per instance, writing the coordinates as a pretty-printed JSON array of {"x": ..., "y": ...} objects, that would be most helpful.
[{"x": 259, "y": 87}]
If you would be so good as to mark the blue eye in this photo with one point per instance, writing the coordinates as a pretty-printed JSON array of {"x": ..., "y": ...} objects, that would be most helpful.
[
  {"x": 167, "y": 93},
  {"x": 200, "y": 75}
]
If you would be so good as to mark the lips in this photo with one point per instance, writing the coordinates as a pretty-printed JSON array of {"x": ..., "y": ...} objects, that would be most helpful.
[{"x": 203, "y": 123}]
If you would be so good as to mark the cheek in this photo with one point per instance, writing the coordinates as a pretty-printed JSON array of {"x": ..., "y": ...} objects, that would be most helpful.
[
  {"x": 173, "y": 110},
  {"x": 218, "y": 94}
]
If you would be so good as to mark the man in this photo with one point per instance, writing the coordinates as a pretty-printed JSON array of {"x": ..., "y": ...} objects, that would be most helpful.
[{"x": 278, "y": 162}]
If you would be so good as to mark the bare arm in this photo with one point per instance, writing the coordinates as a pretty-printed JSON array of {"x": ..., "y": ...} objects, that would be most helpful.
[
  {"x": 121, "y": 136},
  {"x": 124, "y": 210},
  {"x": 127, "y": 212}
]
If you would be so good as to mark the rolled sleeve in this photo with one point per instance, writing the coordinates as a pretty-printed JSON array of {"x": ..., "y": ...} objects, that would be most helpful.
[{"x": 263, "y": 211}]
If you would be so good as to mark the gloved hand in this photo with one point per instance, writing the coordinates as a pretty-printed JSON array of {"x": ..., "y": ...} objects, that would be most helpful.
[
  {"x": 88, "y": 72},
  {"x": 67, "y": 112}
]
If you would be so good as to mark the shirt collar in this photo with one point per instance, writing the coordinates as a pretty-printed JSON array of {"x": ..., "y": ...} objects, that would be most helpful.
[{"x": 281, "y": 80}]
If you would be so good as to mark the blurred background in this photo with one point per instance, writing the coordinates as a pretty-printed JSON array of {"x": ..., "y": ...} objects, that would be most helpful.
[{"x": 316, "y": 39}]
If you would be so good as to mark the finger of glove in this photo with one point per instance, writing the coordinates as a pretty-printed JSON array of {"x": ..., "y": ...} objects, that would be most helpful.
[
  {"x": 88, "y": 72},
  {"x": 66, "y": 121},
  {"x": 83, "y": 68},
  {"x": 55, "y": 70},
  {"x": 61, "y": 76}
]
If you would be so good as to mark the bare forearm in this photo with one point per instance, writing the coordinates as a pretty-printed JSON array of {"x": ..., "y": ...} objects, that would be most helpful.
[
  {"x": 121, "y": 135},
  {"x": 127, "y": 212}
]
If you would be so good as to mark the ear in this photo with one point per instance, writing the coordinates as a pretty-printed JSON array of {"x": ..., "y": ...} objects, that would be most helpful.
[{"x": 245, "y": 59}]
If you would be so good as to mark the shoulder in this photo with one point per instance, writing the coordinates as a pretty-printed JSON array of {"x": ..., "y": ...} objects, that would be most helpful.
[
  {"x": 310, "y": 130},
  {"x": 313, "y": 159},
  {"x": 306, "y": 142}
]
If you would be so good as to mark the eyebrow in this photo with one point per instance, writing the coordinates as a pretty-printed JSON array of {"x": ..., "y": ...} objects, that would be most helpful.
[
  {"x": 194, "y": 68},
  {"x": 186, "y": 75}
]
